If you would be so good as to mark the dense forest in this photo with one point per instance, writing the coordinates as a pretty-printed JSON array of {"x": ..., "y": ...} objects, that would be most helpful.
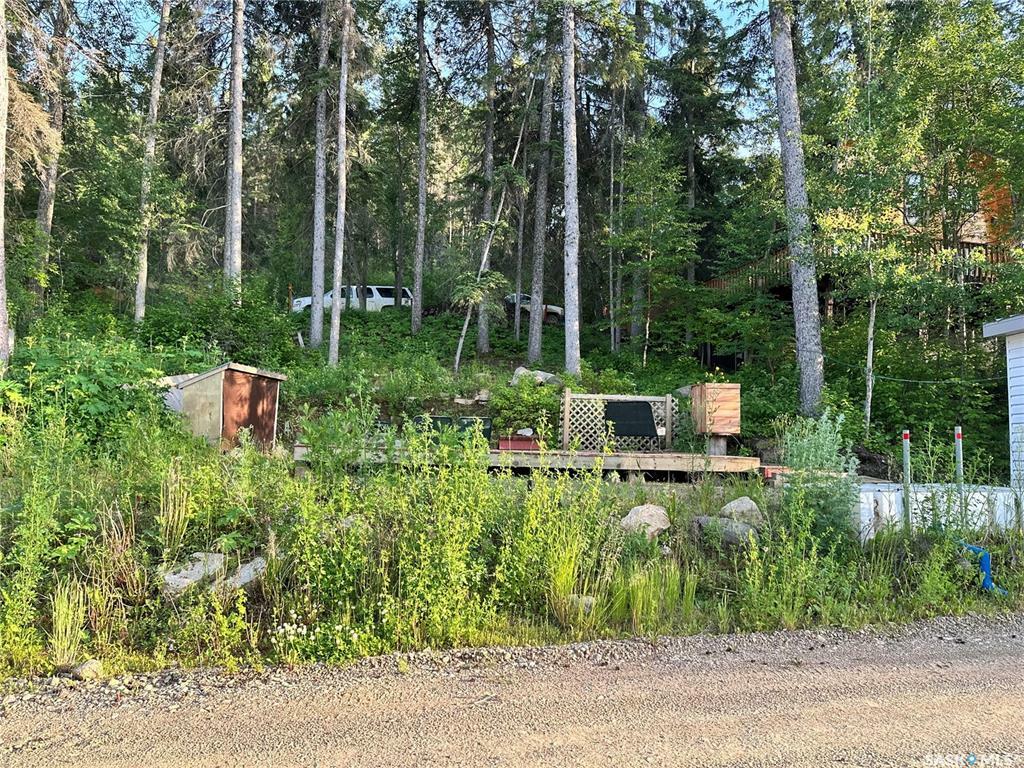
[
  {"x": 819, "y": 201},
  {"x": 679, "y": 176}
]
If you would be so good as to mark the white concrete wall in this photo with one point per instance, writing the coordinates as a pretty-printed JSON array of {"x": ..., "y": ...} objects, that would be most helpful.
[{"x": 1015, "y": 389}]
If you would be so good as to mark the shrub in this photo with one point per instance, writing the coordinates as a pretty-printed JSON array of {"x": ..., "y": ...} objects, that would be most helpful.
[
  {"x": 526, "y": 405},
  {"x": 94, "y": 384},
  {"x": 192, "y": 328},
  {"x": 826, "y": 473}
]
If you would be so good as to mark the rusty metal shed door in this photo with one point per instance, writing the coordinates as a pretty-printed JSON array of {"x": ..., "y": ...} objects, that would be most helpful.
[{"x": 249, "y": 401}]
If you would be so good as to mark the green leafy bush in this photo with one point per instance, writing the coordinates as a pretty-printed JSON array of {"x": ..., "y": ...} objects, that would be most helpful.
[{"x": 526, "y": 405}]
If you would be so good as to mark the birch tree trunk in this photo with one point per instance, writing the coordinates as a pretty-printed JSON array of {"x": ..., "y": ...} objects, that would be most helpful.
[
  {"x": 316, "y": 308},
  {"x": 540, "y": 210},
  {"x": 339, "y": 219},
  {"x": 399, "y": 229},
  {"x": 5, "y": 339},
  {"x": 148, "y": 161},
  {"x": 48, "y": 182},
  {"x": 233, "y": 207},
  {"x": 421, "y": 174},
  {"x": 691, "y": 200},
  {"x": 483, "y": 335},
  {"x": 637, "y": 116},
  {"x": 572, "y": 208},
  {"x": 517, "y": 321},
  {"x": 806, "y": 313}
]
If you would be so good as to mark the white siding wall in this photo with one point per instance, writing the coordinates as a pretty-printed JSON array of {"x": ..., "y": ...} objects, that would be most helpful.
[{"x": 1015, "y": 387}]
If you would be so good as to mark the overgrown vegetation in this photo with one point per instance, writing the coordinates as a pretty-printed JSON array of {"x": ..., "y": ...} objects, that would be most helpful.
[{"x": 102, "y": 491}]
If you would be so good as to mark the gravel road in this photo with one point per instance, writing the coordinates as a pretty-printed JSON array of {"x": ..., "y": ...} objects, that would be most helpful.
[{"x": 930, "y": 694}]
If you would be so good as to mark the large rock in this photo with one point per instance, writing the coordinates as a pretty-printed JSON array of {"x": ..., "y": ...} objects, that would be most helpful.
[
  {"x": 538, "y": 377},
  {"x": 92, "y": 669},
  {"x": 582, "y": 604},
  {"x": 247, "y": 573},
  {"x": 744, "y": 510},
  {"x": 202, "y": 566},
  {"x": 732, "y": 533},
  {"x": 649, "y": 518}
]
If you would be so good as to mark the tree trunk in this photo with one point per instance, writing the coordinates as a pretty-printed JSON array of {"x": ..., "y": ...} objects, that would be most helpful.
[
  {"x": 48, "y": 183},
  {"x": 148, "y": 161},
  {"x": 691, "y": 201},
  {"x": 869, "y": 366},
  {"x": 571, "y": 199},
  {"x": 637, "y": 114},
  {"x": 400, "y": 226},
  {"x": 611, "y": 224},
  {"x": 5, "y": 339},
  {"x": 806, "y": 313},
  {"x": 233, "y": 208},
  {"x": 316, "y": 309},
  {"x": 540, "y": 210},
  {"x": 519, "y": 258},
  {"x": 339, "y": 219},
  {"x": 483, "y": 335},
  {"x": 421, "y": 174}
]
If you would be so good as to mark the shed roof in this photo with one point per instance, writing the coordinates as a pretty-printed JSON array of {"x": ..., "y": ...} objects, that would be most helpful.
[
  {"x": 232, "y": 367},
  {"x": 1006, "y": 326}
]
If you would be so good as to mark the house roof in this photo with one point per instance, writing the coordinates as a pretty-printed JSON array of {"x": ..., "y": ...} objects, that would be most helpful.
[
  {"x": 1006, "y": 326},
  {"x": 193, "y": 379}
]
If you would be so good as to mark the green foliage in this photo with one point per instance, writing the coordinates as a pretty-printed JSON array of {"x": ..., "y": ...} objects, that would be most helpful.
[
  {"x": 249, "y": 329},
  {"x": 528, "y": 405},
  {"x": 92, "y": 383},
  {"x": 431, "y": 551},
  {"x": 822, "y": 460}
]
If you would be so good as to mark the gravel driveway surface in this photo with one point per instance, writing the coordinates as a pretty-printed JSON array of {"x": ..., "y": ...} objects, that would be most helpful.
[{"x": 931, "y": 694}]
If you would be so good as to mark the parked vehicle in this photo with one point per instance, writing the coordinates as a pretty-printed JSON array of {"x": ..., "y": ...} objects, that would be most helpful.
[
  {"x": 552, "y": 313},
  {"x": 377, "y": 298}
]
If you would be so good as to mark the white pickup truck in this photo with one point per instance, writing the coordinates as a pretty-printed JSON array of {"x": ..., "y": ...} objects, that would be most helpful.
[
  {"x": 377, "y": 298},
  {"x": 551, "y": 313}
]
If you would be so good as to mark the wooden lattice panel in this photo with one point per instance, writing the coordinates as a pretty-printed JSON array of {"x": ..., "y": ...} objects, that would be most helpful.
[{"x": 583, "y": 417}]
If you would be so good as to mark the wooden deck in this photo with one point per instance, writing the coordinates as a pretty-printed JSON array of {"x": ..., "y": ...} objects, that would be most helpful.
[{"x": 629, "y": 462}]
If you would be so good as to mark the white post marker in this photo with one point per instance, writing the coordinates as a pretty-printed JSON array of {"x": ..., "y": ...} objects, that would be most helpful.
[
  {"x": 958, "y": 452},
  {"x": 958, "y": 447},
  {"x": 907, "y": 501}
]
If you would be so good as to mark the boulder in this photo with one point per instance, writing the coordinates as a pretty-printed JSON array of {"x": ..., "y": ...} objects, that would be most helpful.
[
  {"x": 732, "y": 533},
  {"x": 247, "y": 573},
  {"x": 582, "y": 604},
  {"x": 539, "y": 377},
  {"x": 649, "y": 518},
  {"x": 202, "y": 566},
  {"x": 744, "y": 510},
  {"x": 91, "y": 669}
]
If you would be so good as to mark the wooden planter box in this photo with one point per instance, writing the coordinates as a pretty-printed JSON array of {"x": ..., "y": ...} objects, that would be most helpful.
[
  {"x": 518, "y": 443},
  {"x": 715, "y": 408}
]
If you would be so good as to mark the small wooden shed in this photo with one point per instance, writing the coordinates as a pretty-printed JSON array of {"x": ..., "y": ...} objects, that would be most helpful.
[
  {"x": 220, "y": 401},
  {"x": 1013, "y": 329}
]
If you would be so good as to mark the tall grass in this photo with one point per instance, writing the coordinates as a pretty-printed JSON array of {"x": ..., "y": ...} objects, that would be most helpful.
[
  {"x": 175, "y": 511},
  {"x": 431, "y": 552},
  {"x": 67, "y": 615}
]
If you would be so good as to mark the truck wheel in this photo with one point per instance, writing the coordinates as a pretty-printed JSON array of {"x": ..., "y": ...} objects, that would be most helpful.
[{"x": 552, "y": 319}]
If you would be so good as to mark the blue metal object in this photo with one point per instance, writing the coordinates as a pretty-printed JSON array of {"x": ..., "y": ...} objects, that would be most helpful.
[{"x": 985, "y": 566}]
